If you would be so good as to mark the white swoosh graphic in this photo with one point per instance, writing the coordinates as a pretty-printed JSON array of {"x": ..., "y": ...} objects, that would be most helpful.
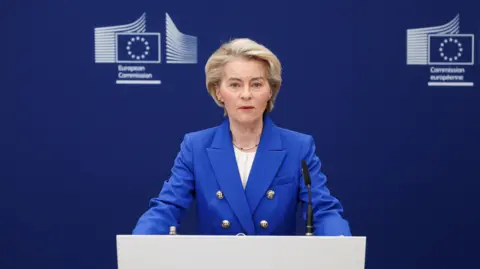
[
  {"x": 181, "y": 48},
  {"x": 417, "y": 40},
  {"x": 105, "y": 45}
]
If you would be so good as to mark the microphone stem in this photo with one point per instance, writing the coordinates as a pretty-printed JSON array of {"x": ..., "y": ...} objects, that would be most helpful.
[{"x": 309, "y": 220}]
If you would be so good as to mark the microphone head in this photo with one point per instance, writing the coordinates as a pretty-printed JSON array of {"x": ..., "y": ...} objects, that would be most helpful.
[{"x": 306, "y": 173}]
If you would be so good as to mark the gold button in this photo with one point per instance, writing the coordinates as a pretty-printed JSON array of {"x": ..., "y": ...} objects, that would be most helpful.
[
  {"x": 225, "y": 224},
  {"x": 270, "y": 194},
  {"x": 220, "y": 195},
  {"x": 264, "y": 224}
]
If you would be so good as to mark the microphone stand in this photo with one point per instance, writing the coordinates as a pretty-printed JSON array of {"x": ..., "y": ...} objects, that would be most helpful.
[
  {"x": 308, "y": 183},
  {"x": 309, "y": 220}
]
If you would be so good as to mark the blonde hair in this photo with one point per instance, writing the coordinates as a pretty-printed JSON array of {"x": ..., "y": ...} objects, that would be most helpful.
[{"x": 247, "y": 48}]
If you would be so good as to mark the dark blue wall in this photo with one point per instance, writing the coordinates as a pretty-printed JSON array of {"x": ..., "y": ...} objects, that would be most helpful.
[{"x": 402, "y": 157}]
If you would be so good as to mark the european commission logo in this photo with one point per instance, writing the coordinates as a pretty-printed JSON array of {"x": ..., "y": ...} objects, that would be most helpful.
[
  {"x": 138, "y": 48},
  {"x": 445, "y": 50},
  {"x": 133, "y": 49}
]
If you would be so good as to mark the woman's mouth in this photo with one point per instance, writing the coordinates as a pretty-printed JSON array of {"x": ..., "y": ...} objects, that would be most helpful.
[{"x": 246, "y": 107}]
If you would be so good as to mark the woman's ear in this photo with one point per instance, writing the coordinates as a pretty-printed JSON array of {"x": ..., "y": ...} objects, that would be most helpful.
[{"x": 218, "y": 94}]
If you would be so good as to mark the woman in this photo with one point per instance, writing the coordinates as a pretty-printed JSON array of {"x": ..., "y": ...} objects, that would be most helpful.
[{"x": 245, "y": 174}]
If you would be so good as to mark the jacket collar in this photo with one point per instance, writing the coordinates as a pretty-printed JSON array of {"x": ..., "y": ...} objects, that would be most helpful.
[{"x": 270, "y": 139}]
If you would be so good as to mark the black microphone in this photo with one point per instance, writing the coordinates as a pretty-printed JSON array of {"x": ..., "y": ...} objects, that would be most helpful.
[{"x": 308, "y": 183}]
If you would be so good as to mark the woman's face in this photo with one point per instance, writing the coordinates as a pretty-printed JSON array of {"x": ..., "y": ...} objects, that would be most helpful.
[{"x": 244, "y": 90}]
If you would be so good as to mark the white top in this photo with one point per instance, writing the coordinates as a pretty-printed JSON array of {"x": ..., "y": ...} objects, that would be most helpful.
[{"x": 244, "y": 162}]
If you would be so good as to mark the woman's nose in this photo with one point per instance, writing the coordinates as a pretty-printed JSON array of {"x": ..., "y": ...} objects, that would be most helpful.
[{"x": 246, "y": 93}]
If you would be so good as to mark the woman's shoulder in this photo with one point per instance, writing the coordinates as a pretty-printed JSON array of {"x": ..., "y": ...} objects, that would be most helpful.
[
  {"x": 296, "y": 141},
  {"x": 290, "y": 134},
  {"x": 202, "y": 132},
  {"x": 202, "y": 136}
]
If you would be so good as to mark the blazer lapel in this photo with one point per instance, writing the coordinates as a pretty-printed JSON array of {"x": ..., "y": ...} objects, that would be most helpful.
[
  {"x": 268, "y": 159},
  {"x": 222, "y": 158}
]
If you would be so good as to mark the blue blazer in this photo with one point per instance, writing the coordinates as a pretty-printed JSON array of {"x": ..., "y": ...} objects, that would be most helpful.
[{"x": 205, "y": 169}]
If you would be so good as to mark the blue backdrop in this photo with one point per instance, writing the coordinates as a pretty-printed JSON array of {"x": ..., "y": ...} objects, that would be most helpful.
[{"x": 89, "y": 153}]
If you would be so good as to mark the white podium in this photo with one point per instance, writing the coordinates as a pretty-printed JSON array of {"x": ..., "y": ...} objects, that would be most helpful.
[{"x": 240, "y": 252}]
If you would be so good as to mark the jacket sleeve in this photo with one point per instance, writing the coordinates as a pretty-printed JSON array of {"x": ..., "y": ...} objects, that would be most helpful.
[
  {"x": 327, "y": 218},
  {"x": 168, "y": 208}
]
